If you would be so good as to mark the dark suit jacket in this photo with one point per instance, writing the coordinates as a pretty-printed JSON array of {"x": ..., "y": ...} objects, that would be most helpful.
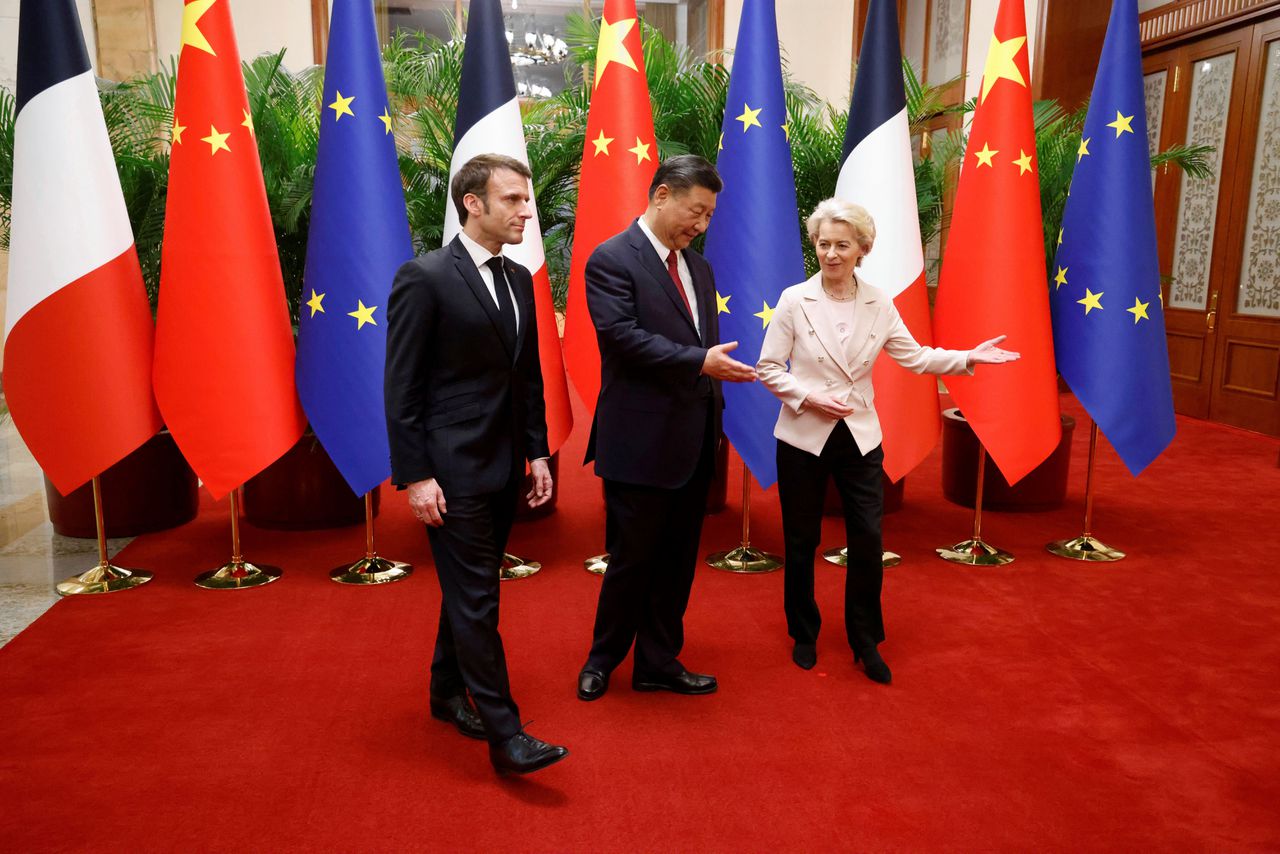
[
  {"x": 655, "y": 408},
  {"x": 461, "y": 407}
]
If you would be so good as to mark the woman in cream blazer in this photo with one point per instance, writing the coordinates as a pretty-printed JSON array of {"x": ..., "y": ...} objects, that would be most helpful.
[{"x": 830, "y": 330}]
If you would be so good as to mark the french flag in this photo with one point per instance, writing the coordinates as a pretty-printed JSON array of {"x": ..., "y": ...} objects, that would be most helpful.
[
  {"x": 877, "y": 173},
  {"x": 78, "y": 335},
  {"x": 489, "y": 122}
]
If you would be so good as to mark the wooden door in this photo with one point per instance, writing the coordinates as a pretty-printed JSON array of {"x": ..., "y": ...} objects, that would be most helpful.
[
  {"x": 1204, "y": 106},
  {"x": 1245, "y": 387}
]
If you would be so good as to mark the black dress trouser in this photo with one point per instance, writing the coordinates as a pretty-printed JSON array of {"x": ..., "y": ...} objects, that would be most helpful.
[
  {"x": 802, "y": 486},
  {"x": 652, "y": 535},
  {"x": 468, "y": 551}
]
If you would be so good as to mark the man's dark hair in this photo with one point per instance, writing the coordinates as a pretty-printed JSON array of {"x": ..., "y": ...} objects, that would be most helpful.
[
  {"x": 473, "y": 178},
  {"x": 685, "y": 172}
]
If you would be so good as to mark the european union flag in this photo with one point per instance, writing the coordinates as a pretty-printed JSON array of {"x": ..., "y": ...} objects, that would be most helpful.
[
  {"x": 1108, "y": 313},
  {"x": 752, "y": 243},
  {"x": 359, "y": 238}
]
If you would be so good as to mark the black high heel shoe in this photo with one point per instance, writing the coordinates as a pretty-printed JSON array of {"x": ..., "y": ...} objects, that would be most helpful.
[
  {"x": 805, "y": 655},
  {"x": 876, "y": 669}
]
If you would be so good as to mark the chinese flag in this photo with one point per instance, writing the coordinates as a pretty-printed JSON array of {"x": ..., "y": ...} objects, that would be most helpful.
[
  {"x": 618, "y": 162},
  {"x": 993, "y": 276},
  {"x": 224, "y": 346}
]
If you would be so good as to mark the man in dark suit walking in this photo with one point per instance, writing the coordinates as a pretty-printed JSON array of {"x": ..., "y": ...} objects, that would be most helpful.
[
  {"x": 653, "y": 303},
  {"x": 464, "y": 412}
]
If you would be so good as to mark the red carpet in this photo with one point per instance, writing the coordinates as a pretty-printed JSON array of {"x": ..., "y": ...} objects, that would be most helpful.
[{"x": 1045, "y": 705}]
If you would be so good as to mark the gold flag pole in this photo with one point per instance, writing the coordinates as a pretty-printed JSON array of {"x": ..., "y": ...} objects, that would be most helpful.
[
  {"x": 106, "y": 577},
  {"x": 745, "y": 558},
  {"x": 974, "y": 551},
  {"x": 1085, "y": 547},
  {"x": 370, "y": 569},
  {"x": 237, "y": 573}
]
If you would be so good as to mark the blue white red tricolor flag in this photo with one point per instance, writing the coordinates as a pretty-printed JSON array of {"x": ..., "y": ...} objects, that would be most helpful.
[
  {"x": 489, "y": 123},
  {"x": 876, "y": 173},
  {"x": 78, "y": 330}
]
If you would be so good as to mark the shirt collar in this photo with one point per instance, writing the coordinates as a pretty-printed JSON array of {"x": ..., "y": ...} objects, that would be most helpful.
[
  {"x": 479, "y": 255},
  {"x": 658, "y": 245}
]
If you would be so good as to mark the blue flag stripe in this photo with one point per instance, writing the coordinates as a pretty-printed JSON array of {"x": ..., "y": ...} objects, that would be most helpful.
[
  {"x": 50, "y": 47},
  {"x": 487, "y": 82},
  {"x": 752, "y": 243},
  {"x": 878, "y": 91}
]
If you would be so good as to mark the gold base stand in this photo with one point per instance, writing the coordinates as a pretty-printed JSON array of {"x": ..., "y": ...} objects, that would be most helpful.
[
  {"x": 237, "y": 573},
  {"x": 840, "y": 557},
  {"x": 1085, "y": 548},
  {"x": 370, "y": 569},
  {"x": 744, "y": 559},
  {"x": 596, "y": 564},
  {"x": 105, "y": 577},
  {"x": 975, "y": 552},
  {"x": 517, "y": 567}
]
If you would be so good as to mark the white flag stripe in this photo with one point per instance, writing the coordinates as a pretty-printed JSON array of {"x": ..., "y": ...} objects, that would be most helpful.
[
  {"x": 878, "y": 175},
  {"x": 68, "y": 214},
  {"x": 500, "y": 132}
]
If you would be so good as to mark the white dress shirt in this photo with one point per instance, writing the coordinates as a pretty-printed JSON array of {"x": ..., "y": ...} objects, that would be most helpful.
[
  {"x": 686, "y": 278},
  {"x": 481, "y": 257}
]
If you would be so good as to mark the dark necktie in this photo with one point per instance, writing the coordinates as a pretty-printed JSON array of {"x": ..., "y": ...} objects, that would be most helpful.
[
  {"x": 505, "y": 308},
  {"x": 673, "y": 267}
]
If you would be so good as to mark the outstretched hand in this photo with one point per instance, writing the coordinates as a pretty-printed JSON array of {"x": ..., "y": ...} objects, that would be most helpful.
[
  {"x": 720, "y": 365},
  {"x": 987, "y": 353}
]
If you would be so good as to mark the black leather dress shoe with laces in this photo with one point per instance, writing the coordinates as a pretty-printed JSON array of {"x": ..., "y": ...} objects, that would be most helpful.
[
  {"x": 592, "y": 684},
  {"x": 523, "y": 754},
  {"x": 682, "y": 683},
  {"x": 457, "y": 710}
]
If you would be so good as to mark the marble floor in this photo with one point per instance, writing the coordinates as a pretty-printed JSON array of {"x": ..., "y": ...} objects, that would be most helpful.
[{"x": 32, "y": 557}]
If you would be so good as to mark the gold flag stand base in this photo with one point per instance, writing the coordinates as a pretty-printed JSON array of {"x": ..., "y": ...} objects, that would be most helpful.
[
  {"x": 1084, "y": 548},
  {"x": 370, "y": 569},
  {"x": 975, "y": 553},
  {"x": 840, "y": 557},
  {"x": 596, "y": 564},
  {"x": 517, "y": 567},
  {"x": 106, "y": 577},
  {"x": 237, "y": 573},
  {"x": 744, "y": 559}
]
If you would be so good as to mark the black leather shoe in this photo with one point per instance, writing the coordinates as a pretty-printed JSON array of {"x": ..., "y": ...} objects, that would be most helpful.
[
  {"x": 682, "y": 683},
  {"x": 592, "y": 684},
  {"x": 876, "y": 669},
  {"x": 805, "y": 655},
  {"x": 457, "y": 710},
  {"x": 523, "y": 754}
]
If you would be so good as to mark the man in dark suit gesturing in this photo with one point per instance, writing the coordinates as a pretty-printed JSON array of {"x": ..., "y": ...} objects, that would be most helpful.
[
  {"x": 464, "y": 413},
  {"x": 653, "y": 303}
]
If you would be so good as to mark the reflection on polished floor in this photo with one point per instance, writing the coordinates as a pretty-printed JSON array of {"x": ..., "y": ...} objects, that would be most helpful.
[{"x": 32, "y": 557}]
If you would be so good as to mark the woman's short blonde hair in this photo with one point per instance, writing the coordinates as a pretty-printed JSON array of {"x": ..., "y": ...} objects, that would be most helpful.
[{"x": 854, "y": 216}]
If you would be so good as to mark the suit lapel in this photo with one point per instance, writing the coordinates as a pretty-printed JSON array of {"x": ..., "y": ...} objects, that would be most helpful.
[
  {"x": 524, "y": 305},
  {"x": 471, "y": 275},
  {"x": 811, "y": 303},
  {"x": 706, "y": 294},
  {"x": 864, "y": 319},
  {"x": 658, "y": 272}
]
